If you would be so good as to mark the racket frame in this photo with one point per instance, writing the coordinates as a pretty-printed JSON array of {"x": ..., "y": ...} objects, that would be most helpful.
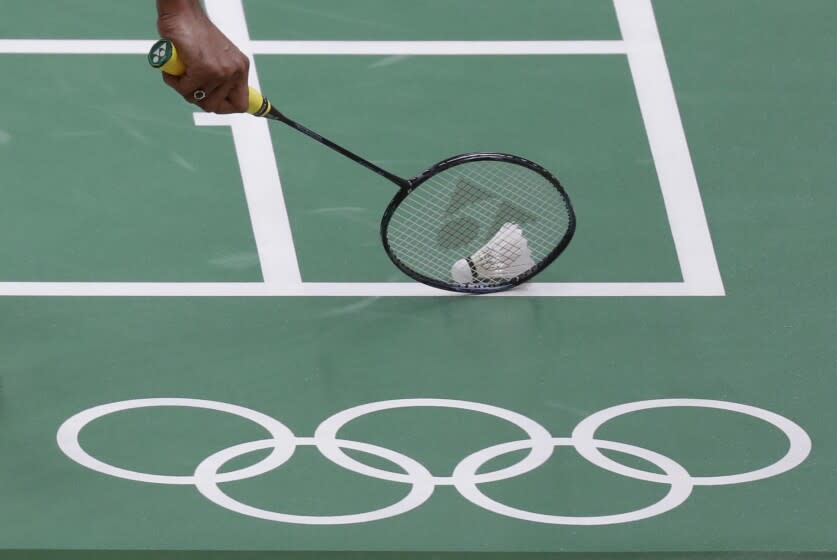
[
  {"x": 444, "y": 165},
  {"x": 407, "y": 186}
]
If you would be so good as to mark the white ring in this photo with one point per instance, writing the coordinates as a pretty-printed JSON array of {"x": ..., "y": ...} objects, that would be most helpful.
[
  {"x": 68, "y": 439},
  {"x": 326, "y": 436},
  {"x": 206, "y": 481},
  {"x": 678, "y": 478},
  {"x": 464, "y": 477},
  {"x": 199, "y": 95},
  {"x": 800, "y": 443}
]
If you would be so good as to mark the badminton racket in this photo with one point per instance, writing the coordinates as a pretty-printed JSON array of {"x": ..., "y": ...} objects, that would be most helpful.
[{"x": 476, "y": 223}]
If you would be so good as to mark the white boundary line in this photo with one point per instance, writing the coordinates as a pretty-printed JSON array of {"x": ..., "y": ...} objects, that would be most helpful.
[
  {"x": 73, "y": 46},
  {"x": 669, "y": 147},
  {"x": 453, "y": 48},
  {"x": 347, "y": 289},
  {"x": 443, "y": 48},
  {"x": 658, "y": 105},
  {"x": 258, "y": 164}
]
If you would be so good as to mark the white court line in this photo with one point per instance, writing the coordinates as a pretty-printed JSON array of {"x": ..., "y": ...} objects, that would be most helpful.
[
  {"x": 457, "y": 48},
  {"x": 669, "y": 148},
  {"x": 107, "y": 46},
  {"x": 80, "y": 46},
  {"x": 343, "y": 289},
  {"x": 258, "y": 164}
]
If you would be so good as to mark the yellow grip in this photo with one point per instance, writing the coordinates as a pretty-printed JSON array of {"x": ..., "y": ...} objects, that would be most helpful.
[
  {"x": 257, "y": 104},
  {"x": 163, "y": 56}
]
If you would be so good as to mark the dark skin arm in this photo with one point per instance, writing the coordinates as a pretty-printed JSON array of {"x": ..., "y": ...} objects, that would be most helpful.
[{"x": 213, "y": 63}]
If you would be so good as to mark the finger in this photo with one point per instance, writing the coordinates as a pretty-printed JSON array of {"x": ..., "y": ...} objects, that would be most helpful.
[
  {"x": 232, "y": 95},
  {"x": 190, "y": 81},
  {"x": 195, "y": 97},
  {"x": 239, "y": 97},
  {"x": 236, "y": 101},
  {"x": 226, "y": 108},
  {"x": 175, "y": 82},
  {"x": 217, "y": 100},
  {"x": 171, "y": 81},
  {"x": 187, "y": 84}
]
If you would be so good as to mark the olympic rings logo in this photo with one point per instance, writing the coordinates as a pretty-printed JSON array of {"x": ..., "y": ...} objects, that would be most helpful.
[{"x": 465, "y": 478}]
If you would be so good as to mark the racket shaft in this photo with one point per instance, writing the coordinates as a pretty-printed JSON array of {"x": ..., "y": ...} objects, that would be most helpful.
[
  {"x": 164, "y": 57},
  {"x": 273, "y": 114}
]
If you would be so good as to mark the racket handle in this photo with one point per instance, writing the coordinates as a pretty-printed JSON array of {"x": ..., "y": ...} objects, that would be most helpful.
[{"x": 163, "y": 56}]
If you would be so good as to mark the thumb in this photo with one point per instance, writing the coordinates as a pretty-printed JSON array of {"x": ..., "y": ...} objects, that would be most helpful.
[{"x": 171, "y": 81}]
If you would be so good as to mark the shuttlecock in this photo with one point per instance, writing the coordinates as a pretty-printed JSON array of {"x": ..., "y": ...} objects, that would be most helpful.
[{"x": 506, "y": 255}]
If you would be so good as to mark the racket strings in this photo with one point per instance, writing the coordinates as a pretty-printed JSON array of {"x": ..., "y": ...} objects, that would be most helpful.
[
  {"x": 514, "y": 182},
  {"x": 504, "y": 217},
  {"x": 520, "y": 188}
]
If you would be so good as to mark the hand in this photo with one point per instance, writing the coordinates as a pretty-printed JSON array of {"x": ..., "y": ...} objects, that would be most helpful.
[{"x": 213, "y": 63}]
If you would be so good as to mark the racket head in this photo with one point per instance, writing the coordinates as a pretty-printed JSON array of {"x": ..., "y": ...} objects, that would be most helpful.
[{"x": 478, "y": 202}]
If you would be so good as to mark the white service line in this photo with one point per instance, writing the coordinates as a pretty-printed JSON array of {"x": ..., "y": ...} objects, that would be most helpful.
[
  {"x": 460, "y": 48},
  {"x": 258, "y": 164},
  {"x": 118, "y": 46},
  {"x": 313, "y": 289},
  {"x": 669, "y": 147},
  {"x": 74, "y": 46},
  {"x": 531, "y": 289}
]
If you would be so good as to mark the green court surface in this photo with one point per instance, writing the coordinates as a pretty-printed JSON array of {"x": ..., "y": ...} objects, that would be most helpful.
[{"x": 175, "y": 319}]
